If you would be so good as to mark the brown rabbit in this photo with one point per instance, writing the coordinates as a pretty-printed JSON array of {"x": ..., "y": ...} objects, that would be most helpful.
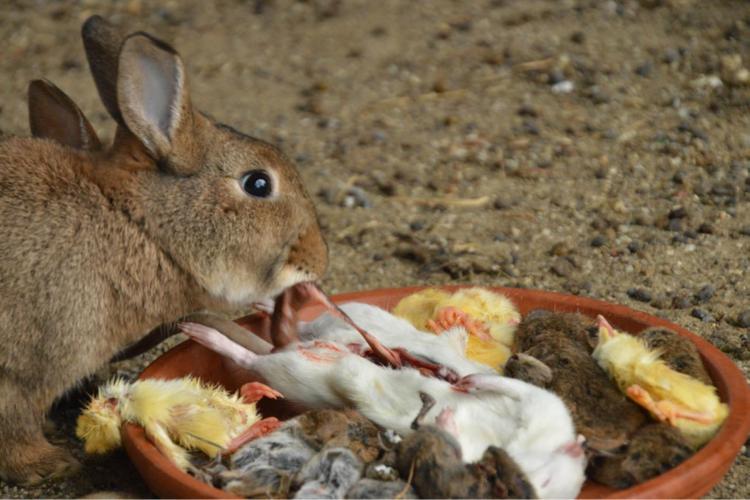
[
  {"x": 97, "y": 248},
  {"x": 54, "y": 115}
]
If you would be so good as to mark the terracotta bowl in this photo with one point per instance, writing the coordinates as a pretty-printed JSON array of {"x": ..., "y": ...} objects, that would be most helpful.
[{"x": 693, "y": 478}]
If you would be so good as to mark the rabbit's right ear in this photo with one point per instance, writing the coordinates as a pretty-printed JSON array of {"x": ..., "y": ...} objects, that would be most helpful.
[
  {"x": 54, "y": 115},
  {"x": 154, "y": 100},
  {"x": 102, "y": 42}
]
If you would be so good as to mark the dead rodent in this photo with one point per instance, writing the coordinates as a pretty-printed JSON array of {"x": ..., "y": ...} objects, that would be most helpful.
[
  {"x": 541, "y": 323},
  {"x": 653, "y": 449},
  {"x": 97, "y": 248},
  {"x": 562, "y": 363},
  {"x": 432, "y": 459},
  {"x": 677, "y": 351},
  {"x": 344, "y": 429}
]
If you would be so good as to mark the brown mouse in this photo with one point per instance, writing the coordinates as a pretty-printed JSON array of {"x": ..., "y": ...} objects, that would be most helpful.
[
  {"x": 431, "y": 457},
  {"x": 653, "y": 449}
]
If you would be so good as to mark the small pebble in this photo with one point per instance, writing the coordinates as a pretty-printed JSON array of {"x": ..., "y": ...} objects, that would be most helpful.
[
  {"x": 679, "y": 238},
  {"x": 560, "y": 249},
  {"x": 745, "y": 231},
  {"x": 644, "y": 69},
  {"x": 681, "y": 302},
  {"x": 705, "y": 293},
  {"x": 527, "y": 110},
  {"x": 743, "y": 319},
  {"x": 530, "y": 127},
  {"x": 598, "y": 241},
  {"x": 677, "y": 213},
  {"x": 577, "y": 37},
  {"x": 675, "y": 225},
  {"x": 701, "y": 315},
  {"x": 563, "y": 87},
  {"x": 671, "y": 55},
  {"x": 635, "y": 246},
  {"x": 639, "y": 294},
  {"x": 555, "y": 76},
  {"x": 356, "y": 197},
  {"x": 706, "y": 228},
  {"x": 500, "y": 204}
]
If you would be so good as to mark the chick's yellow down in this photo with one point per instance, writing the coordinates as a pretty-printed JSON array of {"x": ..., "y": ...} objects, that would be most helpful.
[
  {"x": 685, "y": 402},
  {"x": 178, "y": 415},
  {"x": 490, "y": 319}
]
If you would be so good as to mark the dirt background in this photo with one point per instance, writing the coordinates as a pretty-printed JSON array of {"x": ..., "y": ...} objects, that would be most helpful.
[{"x": 591, "y": 147}]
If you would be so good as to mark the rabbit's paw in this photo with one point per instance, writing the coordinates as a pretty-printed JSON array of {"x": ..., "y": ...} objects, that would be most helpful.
[{"x": 31, "y": 464}]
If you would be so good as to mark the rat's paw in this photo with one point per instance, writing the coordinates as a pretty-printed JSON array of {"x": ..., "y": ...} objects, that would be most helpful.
[{"x": 31, "y": 464}]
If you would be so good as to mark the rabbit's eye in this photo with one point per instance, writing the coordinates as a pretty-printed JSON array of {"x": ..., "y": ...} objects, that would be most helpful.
[{"x": 257, "y": 183}]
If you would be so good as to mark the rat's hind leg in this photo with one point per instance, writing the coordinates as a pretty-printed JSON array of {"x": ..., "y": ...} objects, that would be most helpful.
[{"x": 27, "y": 457}]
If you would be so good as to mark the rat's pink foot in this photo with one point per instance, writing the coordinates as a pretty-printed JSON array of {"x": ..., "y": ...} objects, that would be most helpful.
[
  {"x": 449, "y": 317},
  {"x": 214, "y": 340},
  {"x": 252, "y": 392},
  {"x": 258, "y": 429},
  {"x": 446, "y": 421}
]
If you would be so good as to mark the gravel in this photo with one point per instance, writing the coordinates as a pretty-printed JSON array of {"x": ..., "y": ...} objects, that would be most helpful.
[{"x": 411, "y": 104}]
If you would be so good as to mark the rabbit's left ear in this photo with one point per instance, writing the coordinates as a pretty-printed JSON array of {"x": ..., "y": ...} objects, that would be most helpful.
[
  {"x": 153, "y": 97},
  {"x": 54, "y": 115}
]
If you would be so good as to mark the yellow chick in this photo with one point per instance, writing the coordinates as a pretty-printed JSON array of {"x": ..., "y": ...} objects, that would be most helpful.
[
  {"x": 178, "y": 415},
  {"x": 490, "y": 319},
  {"x": 684, "y": 402}
]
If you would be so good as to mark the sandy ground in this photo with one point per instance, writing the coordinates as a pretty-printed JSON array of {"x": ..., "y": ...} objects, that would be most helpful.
[{"x": 597, "y": 148}]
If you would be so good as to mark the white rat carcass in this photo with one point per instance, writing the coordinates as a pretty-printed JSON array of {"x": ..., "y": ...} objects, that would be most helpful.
[{"x": 530, "y": 423}]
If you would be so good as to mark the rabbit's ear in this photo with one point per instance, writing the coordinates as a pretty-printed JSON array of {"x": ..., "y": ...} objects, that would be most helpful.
[
  {"x": 152, "y": 94},
  {"x": 102, "y": 42},
  {"x": 54, "y": 115}
]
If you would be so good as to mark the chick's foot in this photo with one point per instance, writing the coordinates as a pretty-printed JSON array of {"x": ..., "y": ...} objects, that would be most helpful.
[
  {"x": 258, "y": 429},
  {"x": 252, "y": 392},
  {"x": 664, "y": 410},
  {"x": 450, "y": 317}
]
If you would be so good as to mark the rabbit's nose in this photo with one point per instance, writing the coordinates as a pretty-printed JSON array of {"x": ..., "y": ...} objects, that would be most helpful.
[{"x": 310, "y": 253}]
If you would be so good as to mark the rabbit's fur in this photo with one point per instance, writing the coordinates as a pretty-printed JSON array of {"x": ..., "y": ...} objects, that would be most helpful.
[{"x": 98, "y": 248}]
